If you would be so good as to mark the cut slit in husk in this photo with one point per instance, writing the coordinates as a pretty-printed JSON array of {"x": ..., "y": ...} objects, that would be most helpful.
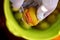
[{"x": 30, "y": 16}]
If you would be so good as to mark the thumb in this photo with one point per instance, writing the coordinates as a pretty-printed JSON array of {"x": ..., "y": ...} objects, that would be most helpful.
[
  {"x": 47, "y": 7},
  {"x": 50, "y": 4}
]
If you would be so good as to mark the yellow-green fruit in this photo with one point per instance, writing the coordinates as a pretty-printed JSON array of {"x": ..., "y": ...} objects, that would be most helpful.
[
  {"x": 15, "y": 9},
  {"x": 24, "y": 24},
  {"x": 51, "y": 19},
  {"x": 18, "y": 16},
  {"x": 43, "y": 25}
]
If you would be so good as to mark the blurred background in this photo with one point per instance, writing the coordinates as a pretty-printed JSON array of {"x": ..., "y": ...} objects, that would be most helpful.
[{"x": 4, "y": 33}]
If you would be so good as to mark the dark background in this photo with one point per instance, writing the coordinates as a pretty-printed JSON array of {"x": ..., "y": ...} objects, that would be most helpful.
[{"x": 4, "y": 33}]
